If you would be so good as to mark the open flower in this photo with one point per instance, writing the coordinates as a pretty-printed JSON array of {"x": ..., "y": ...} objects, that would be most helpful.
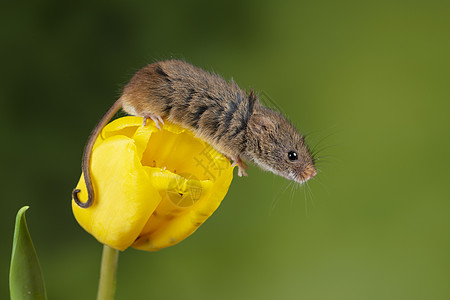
[{"x": 153, "y": 188}]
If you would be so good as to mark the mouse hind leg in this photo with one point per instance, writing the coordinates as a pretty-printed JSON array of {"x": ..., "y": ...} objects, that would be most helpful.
[
  {"x": 157, "y": 119},
  {"x": 136, "y": 108}
]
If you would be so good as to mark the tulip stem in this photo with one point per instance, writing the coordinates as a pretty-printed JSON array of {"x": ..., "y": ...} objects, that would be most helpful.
[{"x": 107, "y": 284}]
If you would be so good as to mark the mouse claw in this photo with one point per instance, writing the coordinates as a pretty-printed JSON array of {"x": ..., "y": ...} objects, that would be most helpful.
[
  {"x": 241, "y": 165},
  {"x": 241, "y": 172},
  {"x": 156, "y": 119}
]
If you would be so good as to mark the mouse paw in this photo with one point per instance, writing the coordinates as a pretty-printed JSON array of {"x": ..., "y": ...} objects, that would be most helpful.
[
  {"x": 241, "y": 165},
  {"x": 242, "y": 172},
  {"x": 156, "y": 119}
]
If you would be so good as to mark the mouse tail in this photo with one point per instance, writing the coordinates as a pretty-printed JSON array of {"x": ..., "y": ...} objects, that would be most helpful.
[{"x": 88, "y": 153}]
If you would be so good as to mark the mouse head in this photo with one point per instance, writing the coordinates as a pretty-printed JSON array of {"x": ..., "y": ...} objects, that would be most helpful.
[{"x": 275, "y": 145}]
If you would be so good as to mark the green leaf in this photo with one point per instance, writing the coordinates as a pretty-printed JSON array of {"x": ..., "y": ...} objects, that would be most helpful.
[{"x": 25, "y": 275}]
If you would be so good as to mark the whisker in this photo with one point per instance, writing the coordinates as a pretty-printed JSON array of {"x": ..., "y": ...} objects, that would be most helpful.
[
  {"x": 292, "y": 193},
  {"x": 306, "y": 201},
  {"x": 322, "y": 163},
  {"x": 311, "y": 196},
  {"x": 324, "y": 156},
  {"x": 319, "y": 150},
  {"x": 296, "y": 186},
  {"x": 277, "y": 197},
  {"x": 315, "y": 146},
  {"x": 309, "y": 135}
]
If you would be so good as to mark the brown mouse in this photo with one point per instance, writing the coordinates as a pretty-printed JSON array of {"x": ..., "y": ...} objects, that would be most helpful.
[{"x": 217, "y": 111}]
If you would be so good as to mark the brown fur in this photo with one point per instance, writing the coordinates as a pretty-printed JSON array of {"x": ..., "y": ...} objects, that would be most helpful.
[
  {"x": 221, "y": 113},
  {"x": 270, "y": 137},
  {"x": 193, "y": 98}
]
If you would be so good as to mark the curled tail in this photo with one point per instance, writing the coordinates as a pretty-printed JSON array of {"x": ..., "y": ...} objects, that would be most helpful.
[{"x": 88, "y": 153}]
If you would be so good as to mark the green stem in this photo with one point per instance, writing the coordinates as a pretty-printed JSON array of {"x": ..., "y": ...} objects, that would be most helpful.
[{"x": 107, "y": 284}]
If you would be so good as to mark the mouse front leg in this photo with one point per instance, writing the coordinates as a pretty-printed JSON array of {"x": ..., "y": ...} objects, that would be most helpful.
[
  {"x": 241, "y": 165},
  {"x": 156, "y": 119}
]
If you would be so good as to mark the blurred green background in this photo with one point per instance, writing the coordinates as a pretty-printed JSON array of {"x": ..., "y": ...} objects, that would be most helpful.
[{"x": 369, "y": 79}]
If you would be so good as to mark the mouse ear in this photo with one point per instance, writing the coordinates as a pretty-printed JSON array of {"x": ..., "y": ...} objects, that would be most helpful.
[
  {"x": 262, "y": 123},
  {"x": 252, "y": 97}
]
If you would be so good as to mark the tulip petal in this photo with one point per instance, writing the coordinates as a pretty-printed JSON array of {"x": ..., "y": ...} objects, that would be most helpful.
[
  {"x": 153, "y": 187},
  {"x": 124, "y": 198},
  {"x": 186, "y": 201}
]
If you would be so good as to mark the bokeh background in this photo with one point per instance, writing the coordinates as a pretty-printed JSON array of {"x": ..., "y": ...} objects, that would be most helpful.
[{"x": 369, "y": 82}]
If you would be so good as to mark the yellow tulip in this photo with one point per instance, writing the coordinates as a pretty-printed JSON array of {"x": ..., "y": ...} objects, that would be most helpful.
[{"x": 153, "y": 188}]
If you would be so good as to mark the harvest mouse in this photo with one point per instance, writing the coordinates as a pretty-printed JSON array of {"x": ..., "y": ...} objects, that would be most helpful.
[{"x": 219, "y": 112}]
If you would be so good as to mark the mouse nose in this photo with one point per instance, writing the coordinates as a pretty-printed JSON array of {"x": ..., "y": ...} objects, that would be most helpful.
[{"x": 309, "y": 172}]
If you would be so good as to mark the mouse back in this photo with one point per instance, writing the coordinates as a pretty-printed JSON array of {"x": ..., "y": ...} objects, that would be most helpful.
[{"x": 216, "y": 110}]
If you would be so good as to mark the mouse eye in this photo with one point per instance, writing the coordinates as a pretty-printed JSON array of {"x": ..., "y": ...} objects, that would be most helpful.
[{"x": 292, "y": 155}]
